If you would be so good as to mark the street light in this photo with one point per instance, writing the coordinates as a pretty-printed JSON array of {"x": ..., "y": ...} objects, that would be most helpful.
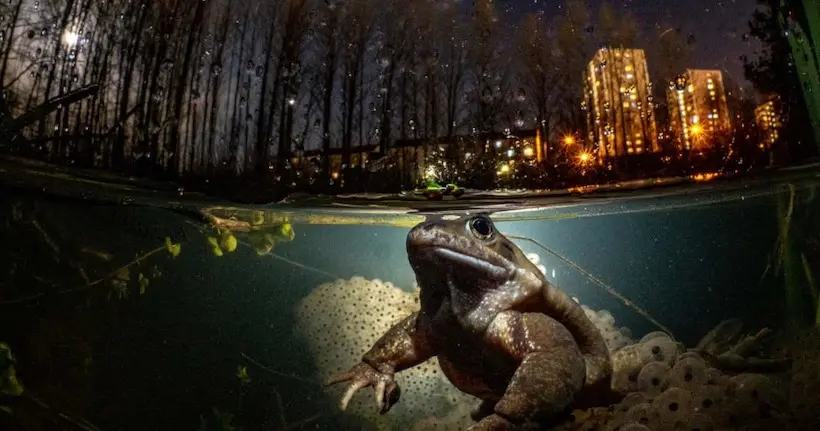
[
  {"x": 584, "y": 157},
  {"x": 569, "y": 140}
]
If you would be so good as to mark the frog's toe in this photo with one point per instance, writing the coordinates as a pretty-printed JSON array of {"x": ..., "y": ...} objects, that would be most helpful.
[
  {"x": 483, "y": 409},
  {"x": 493, "y": 422}
]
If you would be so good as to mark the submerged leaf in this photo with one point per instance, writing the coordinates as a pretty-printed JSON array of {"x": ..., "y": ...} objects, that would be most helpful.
[
  {"x": 173, "y": 249},
  {"x": 214, "y": 245},
  {"x": 242, "y": 374},
  {"x": 227, "y": 241},
  {"x": 143, "y": 281},
  {"x": 286, "y": 232}
]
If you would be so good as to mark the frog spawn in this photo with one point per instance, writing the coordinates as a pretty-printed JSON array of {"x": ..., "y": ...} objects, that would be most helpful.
[
  {"x": 341, "y": 320},
  {"x": 678, "y": 391}
]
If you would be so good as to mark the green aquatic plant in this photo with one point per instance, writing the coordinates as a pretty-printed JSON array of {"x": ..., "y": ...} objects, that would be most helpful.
[
  {"x": 261, "y": 231},
  {"x": 790, "y": 264},
  {"x": 10, "y": 386},
  {"x": 80, "y": 261}
]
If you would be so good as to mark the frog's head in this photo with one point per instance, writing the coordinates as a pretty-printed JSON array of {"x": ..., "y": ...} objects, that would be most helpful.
[{"x": 471, "y": 258}]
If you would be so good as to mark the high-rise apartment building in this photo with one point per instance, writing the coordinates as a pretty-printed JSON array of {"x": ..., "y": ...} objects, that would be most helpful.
[
  {"x": 618, "y": 104},
  {"x": 697, "y": 109},
  {"x": 768, "y": 119}
]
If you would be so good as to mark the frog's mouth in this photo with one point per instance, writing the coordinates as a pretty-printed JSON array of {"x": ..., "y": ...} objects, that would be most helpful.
[{"x": 467, "y": 262}]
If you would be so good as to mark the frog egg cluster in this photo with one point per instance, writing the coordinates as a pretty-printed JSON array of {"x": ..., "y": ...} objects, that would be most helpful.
[
  {"x": 341, "y": 320},
  {"x": 536, "y": 260},
  {"x": 615, "y": 337},
  {"x": 670, "y": 389}
]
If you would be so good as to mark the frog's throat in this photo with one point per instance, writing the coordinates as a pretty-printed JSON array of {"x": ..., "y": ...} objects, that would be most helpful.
[{"x": 493, "y": 271}]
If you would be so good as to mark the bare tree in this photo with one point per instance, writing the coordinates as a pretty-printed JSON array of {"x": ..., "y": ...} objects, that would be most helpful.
[
  {"x": 538, "y": 70},
  {"x": 489, "y": 73}
]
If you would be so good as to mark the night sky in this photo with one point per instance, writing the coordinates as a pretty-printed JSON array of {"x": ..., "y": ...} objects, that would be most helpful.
[{"x": 718, "y": 26}]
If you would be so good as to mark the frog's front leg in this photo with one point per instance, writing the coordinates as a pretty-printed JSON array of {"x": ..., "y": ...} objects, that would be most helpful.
[
  {"x": 550, "y": 374},
  {"x": 404, "y": 346}
]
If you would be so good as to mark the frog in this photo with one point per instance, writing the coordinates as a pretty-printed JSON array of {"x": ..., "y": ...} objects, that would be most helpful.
[{"x": 499, "y": 329}]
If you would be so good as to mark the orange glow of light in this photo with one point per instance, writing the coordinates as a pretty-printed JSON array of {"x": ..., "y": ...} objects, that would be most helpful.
[
  {"x": 569, "y": 140},
  {"x": 708, "y": 176},
  {"x": 696, "y": 129},
  {"x": 584, "y": 157}
]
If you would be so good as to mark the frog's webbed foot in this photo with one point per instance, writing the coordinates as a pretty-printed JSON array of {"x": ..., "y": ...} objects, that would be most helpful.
[{"x": 364, "y": 375}]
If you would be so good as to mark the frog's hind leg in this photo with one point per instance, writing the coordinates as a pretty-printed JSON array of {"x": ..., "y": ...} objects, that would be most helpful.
[{"x": 551, "y": 372}]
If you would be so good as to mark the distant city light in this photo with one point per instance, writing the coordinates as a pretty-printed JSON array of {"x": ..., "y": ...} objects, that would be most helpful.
[
  {"x": 569, "y": 140},
  {"x": 528, "y": 152},
  {"x": 510, "y": 152},
  {"x": 696, "y": 129},
  {"x": 498, "y": 144},
  {"x": 291, "y": 101},
  {"x": 585, "y": 157}
]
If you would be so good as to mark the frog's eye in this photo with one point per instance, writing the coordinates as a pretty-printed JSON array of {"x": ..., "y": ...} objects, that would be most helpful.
[{"x": 481, "y": 227}]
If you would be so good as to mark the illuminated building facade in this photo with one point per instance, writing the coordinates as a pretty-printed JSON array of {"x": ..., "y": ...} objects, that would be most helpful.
[
  {"x": 697, "y": 109},
  {"x": 618, "y": 104},
  {"x": 768, "y": 119}
]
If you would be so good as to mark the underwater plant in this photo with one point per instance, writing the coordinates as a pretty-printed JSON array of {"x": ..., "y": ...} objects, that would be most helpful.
[
  {"x": 794, "y": 259},
  {"x": 10, "y": 386},
  {"x": 70, "y": 264}
]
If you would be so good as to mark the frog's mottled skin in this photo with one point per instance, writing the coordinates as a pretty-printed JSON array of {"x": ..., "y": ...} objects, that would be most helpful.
[{"x": 500, "y": 331}]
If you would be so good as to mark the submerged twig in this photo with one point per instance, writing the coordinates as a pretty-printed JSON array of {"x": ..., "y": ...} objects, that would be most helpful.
[
  {"x": 47, "y": 239},
  {"x": 88, "y": 284},
  {"x": 634, "y": 307},
  {"x": 281, "y": 407},
  {"x": 277, "y": 373},
  {"x": 779, "y": 251},
  {"x": 303, "y": 266},
  {"x": 76, "y": 421},
  {"x": 136, "y": 261}
]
